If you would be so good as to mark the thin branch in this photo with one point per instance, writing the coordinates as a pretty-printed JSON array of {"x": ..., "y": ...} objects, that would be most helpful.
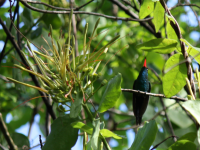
[
  {"x": 136, "y": 126},
  {"x": 177, "y": 5},
  {"x": 10, "y": 28},
  {"x": 2, "y": 147},
  {"x": 58, "y": 8},
  {"x": 11, "y": 38},
  {"x": 155, "y": 95},
  {"x": 40, "y": 141},
  {"x": 163, "y": 141},
  {"x": 6, "y": 134},
  {"x": 133, "y": 15},
  {"x": 83, "y": 12},
  {"x": 168, "y": 121}
]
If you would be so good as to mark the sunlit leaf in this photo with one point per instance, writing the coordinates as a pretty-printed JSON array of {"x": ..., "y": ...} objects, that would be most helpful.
[
  {"x": 183, "y": 145},
  {"x": 146, "y": 8},
  {"x": 174, "y": 80},
  {"x": 76, "y": 105},
  {"x": 111, "y": 94},
  {"x": 159, "y": 45}
]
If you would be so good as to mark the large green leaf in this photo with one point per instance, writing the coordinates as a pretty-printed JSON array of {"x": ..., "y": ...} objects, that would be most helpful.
[
  {"x": 146, "y": 8},
  {"x": 20, "y": 140},
  {"x": 174, "y": 80},
  {"x": 158, "y": 16},
  {"x": 183, "y": 145},
  {"x": 193, "y": 107},
  {"x": 160, "y": 45},
  {"x": 94, "y": 141},
  {"x": 76, "y": 105},
  {"x": 111, "y": 94},
  {"x": 27, "y": 17},
  {"x": 63, "y": 135},
  {"x": 191, "y": 136},
  {"x": 145, "y": 136}
]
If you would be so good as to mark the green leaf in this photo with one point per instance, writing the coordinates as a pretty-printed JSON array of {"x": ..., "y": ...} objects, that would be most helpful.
[
  {"x": 182, "y": 145},
  {"x": 189, "y": 136},
  {"x": 145, "y": 136},
  {"x": 193, "y": 107},
  {"x": 76, "y": 105},
  {"x": 111, "y": 94},
  {"x": 20, "y": 140},
  {"x": 170, "y": 18},
  {"x": 63, "y": 135},
  {"x": 146, "y": 8},
  {"x": 193, "y": 51},
  {"x": 158, "y": 16},
  {"x": 52, "y": 19},
  {"x": 93, "y": 143},
  {"x": 174, "y": 80},
  {"x": 107, "y": 134},
  {"x": 160, "y": 45},
  {"x": 82, "y": 126},
  {"x": 27, "y": 17},
  {"x": 171, "y": 34}
]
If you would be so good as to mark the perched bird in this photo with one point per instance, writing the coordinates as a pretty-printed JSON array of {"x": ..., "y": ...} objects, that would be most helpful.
[{"x": 140, "y": 101}]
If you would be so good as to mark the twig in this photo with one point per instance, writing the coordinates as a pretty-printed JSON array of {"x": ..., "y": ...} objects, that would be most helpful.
[
  {"x": 168, "y": 121},
  {"x": 40, "y": 141},
  {"x": 2, "y": 148},
  {"x": 133, "y": 15},
  {"x": 74, "y": 29},
  {"x": 83, "y": 12},
  {"x": 6, "y": 134},
  {"x": 163, "y": 141},
  {"x": 11, "y": 38},
  {"x": 184, "y": 5},
  {"x": 58, "y": 8},
  {"x": 155, "y": 74},
  {"x": 155, "y": 95}
]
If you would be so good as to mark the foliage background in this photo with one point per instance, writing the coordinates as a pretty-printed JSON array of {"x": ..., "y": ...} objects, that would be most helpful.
[{"x": 128, "y": 62}]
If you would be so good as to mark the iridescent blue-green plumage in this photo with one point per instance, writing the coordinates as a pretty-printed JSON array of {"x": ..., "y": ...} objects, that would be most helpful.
[{"x": 140, "y": 101}]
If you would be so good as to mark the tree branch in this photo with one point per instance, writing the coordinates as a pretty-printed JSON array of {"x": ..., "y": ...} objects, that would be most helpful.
[
  {"x": 82, "y": 12},
  {"x": 155, "y": 95},
  {"x": 177, "y": 5}
]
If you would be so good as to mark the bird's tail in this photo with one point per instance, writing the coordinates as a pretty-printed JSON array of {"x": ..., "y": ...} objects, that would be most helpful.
[{"x": 138, "y": 120}]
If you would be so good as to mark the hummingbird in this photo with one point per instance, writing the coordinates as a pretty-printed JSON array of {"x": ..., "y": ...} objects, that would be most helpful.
[{"x": 140, "y": 101}]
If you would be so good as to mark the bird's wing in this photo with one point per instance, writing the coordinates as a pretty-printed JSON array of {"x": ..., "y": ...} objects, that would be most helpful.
[{"x": 149, "y": 87}]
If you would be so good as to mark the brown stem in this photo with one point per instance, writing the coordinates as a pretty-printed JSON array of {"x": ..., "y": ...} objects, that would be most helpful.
[{"x": 6, "y": 134}]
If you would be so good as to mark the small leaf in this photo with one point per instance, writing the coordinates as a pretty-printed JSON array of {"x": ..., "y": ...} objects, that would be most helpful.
[
  {"x": 158, "y": 16},
  {"x": 145, "y": 136},
  {"x": 76, "y": 105},
  {"x": 174, "y": 80},
  {"x": 182, "y": 145},
  {"x": 193, "y": 107},
  {"x": 52, "y": 19},
  {"x": 63, "y": 135},
  {"x": 146, "y": 8},
  {"x": 20, "y": 140},
  {"x": 83, "y": 127},
  {"x": 107, "y": 134},
  {"x": 111, "y": 94},
  {"x": 93, "y": 143},
  {"x": 160, "y": 45},
  {"x": 189, "y": 136}
]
